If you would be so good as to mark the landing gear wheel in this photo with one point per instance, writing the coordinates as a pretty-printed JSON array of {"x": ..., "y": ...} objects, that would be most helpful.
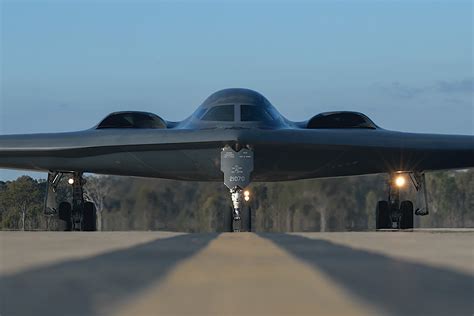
[
  {"x": 406, "y": 208},
  {"x": 65, "y": 214},
  {"x": 241, "y": 222},
  {"x": 246, "y": 219},
  {"x": 382, "y": 216},
  {"x": 236, "y": 224},
  {"x": 227, "y": 220},
  {"x": 89, "y": 221}
]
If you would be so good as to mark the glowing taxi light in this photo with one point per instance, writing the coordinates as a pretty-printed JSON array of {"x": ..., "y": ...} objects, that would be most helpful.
[
  {"x": 246, "y": 196},
  {"x": 70, "y": 181},
  {"x": 400, "y": 181}
]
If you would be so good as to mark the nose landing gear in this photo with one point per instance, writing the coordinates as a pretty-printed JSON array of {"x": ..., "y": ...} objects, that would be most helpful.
[
  {"x": 237, "y": 198},
  {"x": 237, "y": 166}
]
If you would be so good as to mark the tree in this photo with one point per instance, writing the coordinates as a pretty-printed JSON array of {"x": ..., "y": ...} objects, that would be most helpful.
[
  {"x": 125, "y": 203},
  {"x": 96, "y": 190},
  {"x": 23, "y": 198}
]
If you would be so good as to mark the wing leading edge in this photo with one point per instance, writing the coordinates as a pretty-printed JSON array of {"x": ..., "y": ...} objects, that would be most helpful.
[{"x": 281, "y": 154}]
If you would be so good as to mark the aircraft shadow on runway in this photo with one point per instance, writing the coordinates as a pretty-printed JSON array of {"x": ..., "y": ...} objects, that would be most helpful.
[
  {"x": 87, "y": 286},
  {"x": 78, "y": 287},
  {"x": 393, "y": 285}
]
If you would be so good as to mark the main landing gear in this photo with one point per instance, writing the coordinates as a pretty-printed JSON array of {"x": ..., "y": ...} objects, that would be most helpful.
[
  {"x": 78, "y": 216},
  {"x": 395, "y": 214}
]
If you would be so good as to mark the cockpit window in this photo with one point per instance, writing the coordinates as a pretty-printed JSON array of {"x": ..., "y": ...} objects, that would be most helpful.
[
  {"x": 254, "y": 113},
  {"x": 220, "y": 113}
]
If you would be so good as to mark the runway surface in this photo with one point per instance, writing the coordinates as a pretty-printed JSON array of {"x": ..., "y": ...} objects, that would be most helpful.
[{"x": 159, "y": 273}]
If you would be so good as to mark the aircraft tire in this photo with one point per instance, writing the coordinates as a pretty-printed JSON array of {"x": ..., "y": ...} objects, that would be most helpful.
[
  {"x": 227, "y": 214},
  {"x": 406, "y": 208},
  {"x": 89, "y": 220},
  {"x": 246, "y": 219},
  {"x": 382, "y": 216},
  {"x": 64, "y": 214}
]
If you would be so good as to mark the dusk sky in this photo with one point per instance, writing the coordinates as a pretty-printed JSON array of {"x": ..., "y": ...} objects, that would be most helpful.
[{"x": 408, "y": 65}]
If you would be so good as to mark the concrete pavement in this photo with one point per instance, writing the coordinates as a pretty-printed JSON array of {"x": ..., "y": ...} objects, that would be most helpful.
[{"x": 156, "y": 273}]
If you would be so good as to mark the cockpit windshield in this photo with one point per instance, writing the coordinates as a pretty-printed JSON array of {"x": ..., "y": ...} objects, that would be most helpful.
[
  {"x": 254, "y": 113},
  {"x": 220, "y": 113}
]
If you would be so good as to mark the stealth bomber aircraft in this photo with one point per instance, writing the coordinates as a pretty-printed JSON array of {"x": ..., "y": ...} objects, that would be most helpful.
[{"x": 237, "y": 136}]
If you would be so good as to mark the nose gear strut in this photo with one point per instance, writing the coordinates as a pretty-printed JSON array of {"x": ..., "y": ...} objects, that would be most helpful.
[{"x": 237, "y": 198}]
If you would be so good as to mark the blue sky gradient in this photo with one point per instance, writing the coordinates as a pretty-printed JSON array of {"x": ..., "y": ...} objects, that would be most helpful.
[{"x": 406, "y": 64}]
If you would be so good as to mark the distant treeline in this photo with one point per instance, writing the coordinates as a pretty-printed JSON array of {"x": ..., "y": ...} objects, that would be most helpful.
[{"x": 337, "y": 204}]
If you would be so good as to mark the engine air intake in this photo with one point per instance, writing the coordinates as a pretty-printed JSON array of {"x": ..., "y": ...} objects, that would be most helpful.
[
  {"x": 132, "y": 120},
  {"x": 340, "y": 120}
]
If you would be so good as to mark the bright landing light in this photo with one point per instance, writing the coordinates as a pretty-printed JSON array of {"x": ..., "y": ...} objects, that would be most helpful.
[
  {"x": 400, "y": 181},
  {"x": 70, "y": 181},
  {"x": 246, "y": 196}
]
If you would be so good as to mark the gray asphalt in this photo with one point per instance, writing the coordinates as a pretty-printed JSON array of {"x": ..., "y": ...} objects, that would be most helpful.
[{"x": 158, "y": 273}]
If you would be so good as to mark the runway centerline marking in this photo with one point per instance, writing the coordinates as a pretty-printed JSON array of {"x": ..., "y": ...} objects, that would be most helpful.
[{"x": 244, "y": 274}]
